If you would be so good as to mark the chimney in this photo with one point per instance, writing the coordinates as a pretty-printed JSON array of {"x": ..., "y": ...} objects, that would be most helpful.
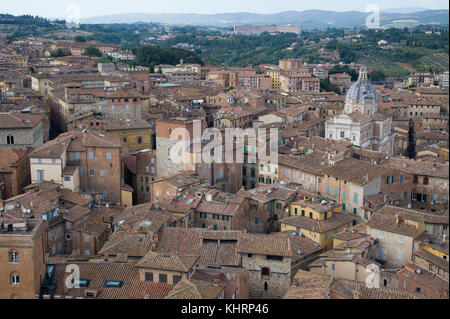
[
  {"x": 385, "y": 198},
  {"x": 367, "y": 178},
  {"x": 397, "y": 219}
]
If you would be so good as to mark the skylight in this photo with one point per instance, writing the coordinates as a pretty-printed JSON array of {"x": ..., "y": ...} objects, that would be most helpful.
[{"x": 113, "y": 284}]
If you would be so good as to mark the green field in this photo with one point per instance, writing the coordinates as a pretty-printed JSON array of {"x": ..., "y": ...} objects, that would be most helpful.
[{"x": 437, "y": 61}]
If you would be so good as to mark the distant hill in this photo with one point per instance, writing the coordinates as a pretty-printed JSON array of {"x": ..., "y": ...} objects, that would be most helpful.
[
  {"x": 404, "y": 10},
  {"x": 309, "y": 19}
]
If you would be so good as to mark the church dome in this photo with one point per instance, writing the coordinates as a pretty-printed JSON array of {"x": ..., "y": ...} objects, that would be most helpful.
[{"x": 362, "y": 91}]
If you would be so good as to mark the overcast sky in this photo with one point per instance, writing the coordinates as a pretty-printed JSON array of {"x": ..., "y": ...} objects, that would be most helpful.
[{"x": 90, "y": 8}]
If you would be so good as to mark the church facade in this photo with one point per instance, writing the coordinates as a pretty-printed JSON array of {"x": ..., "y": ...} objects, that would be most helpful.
[{"x": 360, "y": 121}]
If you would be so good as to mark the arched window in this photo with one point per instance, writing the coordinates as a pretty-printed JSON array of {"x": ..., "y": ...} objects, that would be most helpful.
[
  {"x": 15, "y": 279},
  {"x": 9, "y": 139},
  {"x": 265, "y": 286}
]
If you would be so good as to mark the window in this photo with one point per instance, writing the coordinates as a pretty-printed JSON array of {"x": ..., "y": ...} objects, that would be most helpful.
[
  {"x": 13, "y": 256},
  {"x": 425, "y": 180},
  {"x": 102, "y": 173},
  {"x": 87, "y": 252},
  {"x": 381, "y": 235},
  {"x": 87, "y": 238},
  {"x": 328, "y": 188},
  {"x": 15, "y": 280},
  {"x": 163, "y": 278},
  {"x": 401, "y": 178},
  {"x": 274, "y": 257},
  {"x": 68, "y": 225},
  {"x": 342, "y": 134},
  {"x": 355, "y": 198},
  {"x": 400, "y": 239},
  {"x": 149, "y": 277},
  {"x": 265, "y": 271},
  {"x": 139, "y": 139},
  {"x": 108, "y": 155},
  {"x": 91, "y": 155},
  {"x": 82, "y": 283},
  {"x": 399, "y": 255},
  {"x": 40, "y": 176},
  {"x": 9, "y": 139},
  {"x": 256, "y": 220},
  {"x": 333, "y": 267},
  {"x": 176, "y": 279},
  {"x": 80, "y": 171}
]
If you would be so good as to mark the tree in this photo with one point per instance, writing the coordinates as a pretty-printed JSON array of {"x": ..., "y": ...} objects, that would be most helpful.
[
  {"x": 344, "y": 69},
  {"x": 377, "y": 75},
  {"x": 411, "y": 149},
  {"x": 79, "y": 38},
  {"x": 327, "y": 86},
  {"x": 91, "y": 51},
  {"x": 58, "y": 54},
  {"x": 154, "y": 55}
]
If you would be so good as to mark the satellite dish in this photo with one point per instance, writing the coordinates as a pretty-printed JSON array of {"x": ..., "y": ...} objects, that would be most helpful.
[{"x": 418, "y": 271}]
